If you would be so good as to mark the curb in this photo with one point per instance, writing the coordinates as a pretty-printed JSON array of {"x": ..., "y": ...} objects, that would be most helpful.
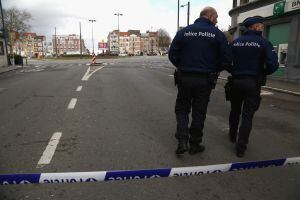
[
  {"x": 8, "y": 69},
  {"x": 275, "y": 89}
]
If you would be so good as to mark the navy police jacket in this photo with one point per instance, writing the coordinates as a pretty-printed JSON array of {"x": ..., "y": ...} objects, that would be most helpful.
[
  {"x": 200, "y": 47},
  {"x": 253, "y": 55}
]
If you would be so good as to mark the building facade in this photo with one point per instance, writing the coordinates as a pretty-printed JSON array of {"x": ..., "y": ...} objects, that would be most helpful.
[
  {"x": 39, "y": 46},
  {"x": 153, "y": 43},
  {"x": 133, "y": 42},
  {"x": 3, "y": 55},
  {"x": 68, "y": 44},
  {"x": 29, "y": 45},
  {"x": 282, "y": 28},
  {"x": 113, "y": 42},
  {"x": 48, "y": 48},
  {"x": 124, "y": 42}
]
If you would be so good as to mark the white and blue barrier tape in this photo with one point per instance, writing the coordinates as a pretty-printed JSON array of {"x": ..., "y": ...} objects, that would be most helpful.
[{"x": 79, "y": 177}]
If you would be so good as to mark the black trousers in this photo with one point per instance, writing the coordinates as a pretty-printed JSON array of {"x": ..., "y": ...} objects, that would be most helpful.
[
  {"x": 245, "y": 100},
  {"x": 193, "y": 93}
]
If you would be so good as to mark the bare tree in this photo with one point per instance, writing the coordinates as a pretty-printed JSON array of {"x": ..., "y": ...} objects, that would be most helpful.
[
  {"x": 16, "y": 23},
  {"x": 164, "y": 38}
]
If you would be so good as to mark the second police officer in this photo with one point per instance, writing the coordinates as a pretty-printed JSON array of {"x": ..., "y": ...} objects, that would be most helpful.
[
  {"x": 199, "y": 52},
  {"x": 253, "y": 58}
]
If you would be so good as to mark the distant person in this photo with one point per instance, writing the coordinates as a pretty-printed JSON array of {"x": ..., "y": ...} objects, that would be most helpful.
[
  {"x": 198, "y": 51},
  {"x": 253, "y": 58}
]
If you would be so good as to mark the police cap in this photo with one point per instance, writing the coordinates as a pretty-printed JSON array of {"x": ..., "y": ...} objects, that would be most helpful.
[{"x": 252, "y": 20}]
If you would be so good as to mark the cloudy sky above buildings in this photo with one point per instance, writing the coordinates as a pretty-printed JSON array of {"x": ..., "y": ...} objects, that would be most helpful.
[{"x": 144, "y": 15}]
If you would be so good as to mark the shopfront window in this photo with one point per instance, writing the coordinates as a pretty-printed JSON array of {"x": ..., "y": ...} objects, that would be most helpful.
[{"x": 278, "y": 35}]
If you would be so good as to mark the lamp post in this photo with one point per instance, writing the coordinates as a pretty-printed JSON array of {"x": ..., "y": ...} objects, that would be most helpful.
[
  {"x": 118, "y": 14},
  {"x": 178, "y": 15},
  {"x": 188, "y": 12},
  {"x": 92, "y": 20}
]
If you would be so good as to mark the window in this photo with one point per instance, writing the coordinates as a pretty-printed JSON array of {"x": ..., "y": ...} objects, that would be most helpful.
[{"x": 1, "y": 48}]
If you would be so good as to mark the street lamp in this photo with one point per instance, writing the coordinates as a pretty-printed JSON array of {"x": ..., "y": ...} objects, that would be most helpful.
[
  {"x": 92, "y": 20},
  {"x": 178, "y": 15},
  {"x": 188, "y": 12},
  {"x": 118, "y": 14}
]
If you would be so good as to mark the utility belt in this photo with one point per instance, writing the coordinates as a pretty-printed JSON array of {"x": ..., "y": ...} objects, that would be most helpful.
[
  {"x": 212, "y": 77},
  {"x": 260, "y": 81}
]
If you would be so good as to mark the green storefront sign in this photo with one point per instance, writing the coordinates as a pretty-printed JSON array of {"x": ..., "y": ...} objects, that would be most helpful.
[{"x": 279, "y": 8}]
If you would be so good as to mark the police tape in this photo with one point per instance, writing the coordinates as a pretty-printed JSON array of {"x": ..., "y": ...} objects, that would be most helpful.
[{"x": 80, "y": 177}]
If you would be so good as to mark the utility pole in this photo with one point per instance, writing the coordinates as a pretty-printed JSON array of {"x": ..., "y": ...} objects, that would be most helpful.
[
  {"x": 80, "y": 40},
  {"x": 188, "y": 14},
  {"x": 118, "y": 14},
  {"x": 55, "y": 42},
  {"x": 92, "y": 20},
  {"x": 178, "y": 16}
]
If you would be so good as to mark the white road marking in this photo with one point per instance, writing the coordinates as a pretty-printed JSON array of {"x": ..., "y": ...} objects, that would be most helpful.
[
  {"x": 263, "y": 92},
  {"x": 49, "y": 151},
  {"x": 89, "y": 73},
  {"x": 171, "y": 75},
  {"x": 79, "y": 88},
  {"x": 86, "y": 73},
  {"x": 72, "y": 103}
]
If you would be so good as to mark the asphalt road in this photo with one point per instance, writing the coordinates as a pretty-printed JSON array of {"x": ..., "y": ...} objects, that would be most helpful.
[{"x": 124, "y": 119}]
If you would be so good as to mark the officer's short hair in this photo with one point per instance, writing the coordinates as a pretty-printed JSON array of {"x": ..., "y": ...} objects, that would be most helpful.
[{"x": 207, "y": 11}]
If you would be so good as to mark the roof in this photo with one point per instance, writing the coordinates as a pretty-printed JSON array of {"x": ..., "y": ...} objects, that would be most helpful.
[{"x": 124, "y": 34}]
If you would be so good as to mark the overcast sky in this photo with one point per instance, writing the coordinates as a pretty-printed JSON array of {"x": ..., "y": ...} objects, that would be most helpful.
[{"x": 144, "y": 15}]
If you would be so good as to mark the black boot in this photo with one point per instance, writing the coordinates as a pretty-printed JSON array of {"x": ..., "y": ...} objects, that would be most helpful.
[
  {"x": 240, "y": 151},
  {"x": 196, "y": 148},
  {"x": 182, "y": 147}
]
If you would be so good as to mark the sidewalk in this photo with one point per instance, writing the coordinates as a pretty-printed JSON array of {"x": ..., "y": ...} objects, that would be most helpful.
[
  {"x": 10, "y": 68},
  {"x": 275, "y": 85}
]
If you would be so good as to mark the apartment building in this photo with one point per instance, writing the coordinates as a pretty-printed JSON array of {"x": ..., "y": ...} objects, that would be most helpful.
[
  {"x": 113, "y": 42},
  {"x": 153, "y": 42},
  {"x": 282, "y": 27},
  {"x": 133, "y": 42},
  {"x": 39, "y": 46},
  {"x": 26, "y": 44},
  {"x": 48, "y": 48},
  {"x": 145, "y": 47},
  {"x": 124, "y": 42},
  {"x": 29, "y": 45},
  {"x": 67, "y": 44}
]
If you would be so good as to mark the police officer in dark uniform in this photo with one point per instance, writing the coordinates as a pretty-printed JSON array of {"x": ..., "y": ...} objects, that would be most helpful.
[
  {"x": 199, "y": 52},
  {"x": 253, "y": 58}
]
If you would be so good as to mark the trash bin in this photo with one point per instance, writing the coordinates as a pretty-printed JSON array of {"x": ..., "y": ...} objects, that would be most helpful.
[{"x": 18, "y": 60}]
